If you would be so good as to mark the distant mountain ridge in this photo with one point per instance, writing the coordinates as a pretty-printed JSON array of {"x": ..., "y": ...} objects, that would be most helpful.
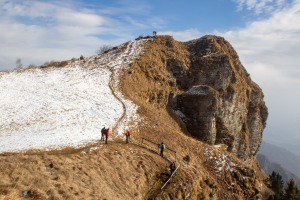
[
  {"x": 269, "y": 167},
  {"x": 284, "y": 158},
  {"x": 295, "y": 149}
]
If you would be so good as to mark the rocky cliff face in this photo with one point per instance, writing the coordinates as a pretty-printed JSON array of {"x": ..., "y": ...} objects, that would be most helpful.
[
  {"x": 200, "y": 88},
  {"x": 220, "y": 103},
  {"x": 207, "y": 88}
]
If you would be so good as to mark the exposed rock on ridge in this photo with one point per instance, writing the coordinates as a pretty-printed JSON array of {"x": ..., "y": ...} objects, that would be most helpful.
[
  {"x": 207, "y": 88},
  {"x": 176, "y": 92},
  {"x": 221, "y": 103}
]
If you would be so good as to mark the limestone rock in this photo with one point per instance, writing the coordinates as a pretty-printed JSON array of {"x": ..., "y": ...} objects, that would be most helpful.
[{"x": 221, "y": 104}]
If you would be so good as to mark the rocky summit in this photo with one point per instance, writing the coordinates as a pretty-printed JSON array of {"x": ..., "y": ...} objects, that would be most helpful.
[
  {"x": 208, "y": 90},
  {"x": 220, "y": 103},
  {"x": 195, "y": 97}
]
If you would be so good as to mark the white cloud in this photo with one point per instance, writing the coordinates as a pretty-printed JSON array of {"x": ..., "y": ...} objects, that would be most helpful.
[
  {"x": 38, "y": 32},
  {"x": 261, "y": 6},
  {"x": 274, "y": 43},
  {"x": 269, "y": 49},
  {"x": 134, "y": 22},
  {"x": 183, "y": 35},
  {"x": 83, "y": 20}
]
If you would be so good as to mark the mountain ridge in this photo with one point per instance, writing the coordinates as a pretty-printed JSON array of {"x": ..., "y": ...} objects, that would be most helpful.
[
  {"x": 135, "y": 170},
  {"x": 281, "y": 156},
  {"x": 269, "y": 167}
]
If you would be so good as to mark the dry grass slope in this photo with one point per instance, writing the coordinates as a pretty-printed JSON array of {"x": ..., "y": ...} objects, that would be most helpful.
[{"x": 113, "y": 171}]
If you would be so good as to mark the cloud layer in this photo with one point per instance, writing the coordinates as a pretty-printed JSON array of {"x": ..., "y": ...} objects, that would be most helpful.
[
  {"x": 41, "y": 31},
  {"x": 38, "y": 31},
  {"x": 269, "y": 49},
  {"x": 261, "y": 6}
]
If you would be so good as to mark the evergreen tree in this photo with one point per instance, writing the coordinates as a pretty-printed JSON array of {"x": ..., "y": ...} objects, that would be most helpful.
[
  {"x": 291, "y": 191},
  {"x": 277, "y": 186}
]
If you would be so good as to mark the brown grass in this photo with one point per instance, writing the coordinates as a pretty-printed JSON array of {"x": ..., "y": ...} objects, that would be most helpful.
[{"x": 113, "y": 171}]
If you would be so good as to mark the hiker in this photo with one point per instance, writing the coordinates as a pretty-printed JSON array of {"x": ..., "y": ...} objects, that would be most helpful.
[
  {"x": 162, "y": 148},
  {"x": 172, "y": 168},
  {"x": 127, "y": 135},
  {"x": 103, "y": 130},
  {"x": 106, "y": 135},
  {"x": 154, "y": 33}
]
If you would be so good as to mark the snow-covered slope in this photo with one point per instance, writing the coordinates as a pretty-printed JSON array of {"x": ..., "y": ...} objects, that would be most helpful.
[{"x": 59, "y": 107}]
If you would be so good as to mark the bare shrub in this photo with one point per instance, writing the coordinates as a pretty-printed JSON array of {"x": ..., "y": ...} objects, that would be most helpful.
[
  {"x": 31, "y": 66},
  {"x": 104, "y": 49},
  {"x": 54, "y": 64},
  {"x": 187, "y": 158},
  {"x": 140, "y": 37}
]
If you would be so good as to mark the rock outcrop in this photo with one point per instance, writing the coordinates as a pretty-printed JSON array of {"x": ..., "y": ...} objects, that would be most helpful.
[
  {"x": 220, "y": 103},
  {"x": 207, "y": 89}
]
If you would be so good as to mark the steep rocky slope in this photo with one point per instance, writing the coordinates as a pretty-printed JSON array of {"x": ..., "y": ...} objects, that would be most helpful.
[
  {"x": 214, "y": 101},
  {"x": 206, "y": 87},
  {"x": 158, "y": 81},
  {"x": 221, "y": 103}
]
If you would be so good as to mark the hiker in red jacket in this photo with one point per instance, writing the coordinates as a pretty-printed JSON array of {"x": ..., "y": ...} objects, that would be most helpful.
[
  {"x": 127, "y": 135},
  {"x": 106, "y": 135}
]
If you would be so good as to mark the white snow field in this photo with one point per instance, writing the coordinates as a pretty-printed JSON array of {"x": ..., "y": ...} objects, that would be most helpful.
[{"x": 58, "y": 107}]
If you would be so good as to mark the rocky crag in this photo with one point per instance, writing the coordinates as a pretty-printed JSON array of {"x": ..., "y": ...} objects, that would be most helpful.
[
  {"x": 221, "y": 103},
  {"x": 205, "y": 86},
  {"x": 201, "y": 89}
]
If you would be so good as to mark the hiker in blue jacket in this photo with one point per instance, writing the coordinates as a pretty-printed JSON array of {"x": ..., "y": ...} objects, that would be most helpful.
[{"x": 162, "y": 148}]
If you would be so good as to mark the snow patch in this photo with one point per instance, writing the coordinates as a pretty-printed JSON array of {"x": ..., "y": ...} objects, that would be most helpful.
[
  {"x": 221, "y": 162},
  {"x": 58, "y": 107}
]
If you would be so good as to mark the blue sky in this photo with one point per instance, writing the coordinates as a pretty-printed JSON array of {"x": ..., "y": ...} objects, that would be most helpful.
[{"x": 265, "y": 33}]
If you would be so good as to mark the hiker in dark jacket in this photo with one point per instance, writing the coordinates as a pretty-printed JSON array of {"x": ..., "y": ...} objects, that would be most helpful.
[
  {"x": 103, "y": 130},
  {"x": 172, "y": 168},
  {"x": 106, "y": 135},
  {"x": 162, "y": 148}
]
